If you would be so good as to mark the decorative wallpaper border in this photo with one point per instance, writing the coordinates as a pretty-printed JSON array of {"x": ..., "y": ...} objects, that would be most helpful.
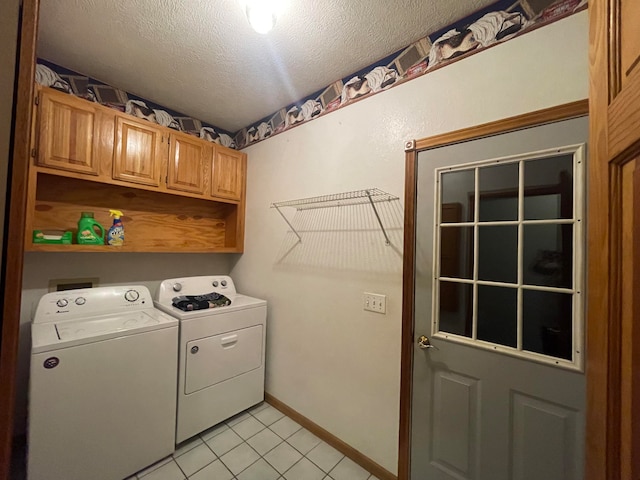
[
  {"x": 51, "y": 75},
  {"x": 501, "y": 21}
]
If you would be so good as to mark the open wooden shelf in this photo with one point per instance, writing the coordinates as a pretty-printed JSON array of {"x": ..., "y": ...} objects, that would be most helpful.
[
  {"x": 122, "y": 249},
  {"x": 153, "y": 221}
]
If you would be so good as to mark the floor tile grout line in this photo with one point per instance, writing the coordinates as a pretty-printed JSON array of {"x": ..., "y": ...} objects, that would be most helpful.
[
  {"x": 244, "y": 441},
  {"x": 173, "y": 455},
  {"x": 211, "y": 449},
  {"x": 165, "y": 460},
  {"x": 272, "y": 448},
  {"x": 180, "y": 468}
]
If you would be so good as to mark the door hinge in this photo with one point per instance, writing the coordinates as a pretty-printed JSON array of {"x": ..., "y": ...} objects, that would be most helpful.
[
  {"x": 37, "y": 100},
  {"x": 33, "y": 152}
]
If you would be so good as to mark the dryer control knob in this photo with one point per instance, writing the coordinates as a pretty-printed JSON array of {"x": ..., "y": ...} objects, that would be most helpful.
[
  {"x": 177, "y": 287},
  {"x": 223, "y": 283},
  {"x": 131, "y": 295},
  {"x": 63, "y": 302},
  {"x": 214, "y": 283},
  {"x": 81, "y": 301}
]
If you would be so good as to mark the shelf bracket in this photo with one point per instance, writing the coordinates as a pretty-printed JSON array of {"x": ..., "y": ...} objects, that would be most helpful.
[
  {"x": 375, "y": 210},
  {"x": 288, "y": 223}
]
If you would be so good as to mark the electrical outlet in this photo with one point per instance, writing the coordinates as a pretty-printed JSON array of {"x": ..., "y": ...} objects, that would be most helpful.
[{"x": 374, "y": 302}]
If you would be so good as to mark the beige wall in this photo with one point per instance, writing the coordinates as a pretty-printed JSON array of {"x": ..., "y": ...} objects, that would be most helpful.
[{"x": 326, "y": 357}]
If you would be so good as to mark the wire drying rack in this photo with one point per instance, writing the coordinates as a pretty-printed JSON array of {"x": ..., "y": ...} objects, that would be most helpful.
[{"x": 369, "y": 196}]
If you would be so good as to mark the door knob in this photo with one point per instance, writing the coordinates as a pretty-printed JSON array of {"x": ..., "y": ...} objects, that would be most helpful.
[{"x": 423, "y": 342}]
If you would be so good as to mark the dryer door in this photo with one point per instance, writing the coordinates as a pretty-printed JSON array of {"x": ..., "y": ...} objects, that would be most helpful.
[{"x": 218, "y": 358}]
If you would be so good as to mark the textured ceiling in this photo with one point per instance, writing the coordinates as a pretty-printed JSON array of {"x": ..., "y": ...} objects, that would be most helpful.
[{"x": 201, "y": 57}]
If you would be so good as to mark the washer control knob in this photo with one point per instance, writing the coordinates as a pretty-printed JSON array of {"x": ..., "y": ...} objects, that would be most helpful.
[
  {"x": 63, "y": 302},
  {"x": 131, "y": 295},
  {"x": 223, "y": 283},
  {"x": 214, "y": 283},
  {"x": 177, "y": 287},
  {"x": 81, "y": 301}
]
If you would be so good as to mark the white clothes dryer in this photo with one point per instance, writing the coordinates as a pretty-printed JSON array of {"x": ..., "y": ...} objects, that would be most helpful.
[
  {"x": 221, "y": 352},
  {"x": 102, "y": 394}
]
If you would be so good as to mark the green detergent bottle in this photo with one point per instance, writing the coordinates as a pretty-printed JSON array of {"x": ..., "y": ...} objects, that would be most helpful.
[{"x": 87, "y": 230}]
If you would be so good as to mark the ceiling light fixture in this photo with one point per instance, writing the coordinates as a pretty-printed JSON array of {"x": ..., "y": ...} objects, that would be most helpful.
[{"x": 262, "y": 14}]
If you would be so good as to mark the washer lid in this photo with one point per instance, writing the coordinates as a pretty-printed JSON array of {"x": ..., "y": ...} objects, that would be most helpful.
[
  {"x": 238, "y": 302},
  {"x": 51, "y": 336}
]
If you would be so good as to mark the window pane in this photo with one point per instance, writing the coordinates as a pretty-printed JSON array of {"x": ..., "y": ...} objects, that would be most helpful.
[
  {"x": 498, "y": 253},
  {"x": 456, "y": 252},
  {"x": 548, "y": 255},
  {"x": 548, "y": 188},
  {"x": 457, "y": 193},
  {"x": 547, "y": 323},
  {"x": 499, "y": 193},
  {"x": 456, "y": 301},
  {"x": 497, "y": 315}
]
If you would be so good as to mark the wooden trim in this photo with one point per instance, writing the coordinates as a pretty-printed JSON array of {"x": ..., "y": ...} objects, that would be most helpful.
[
  {"x": 603, "y": 389},
  {"x": 614, "y": 67},
  {"x": 137, "y": 186},
  {"x": 630, "y": 241},
  {"x": 406, "y": 356},
  {"x": 634, "y": 356},
  {"x": 539, "y": 117},
  {"x": 347, "y": 450},
  {"x": 13, "y": 250},
  {"x": 621, "y": 138}
]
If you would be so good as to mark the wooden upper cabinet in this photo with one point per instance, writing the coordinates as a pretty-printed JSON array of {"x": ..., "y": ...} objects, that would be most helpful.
[
  {"x": 228, "y": 175},
  {"x": 67, "y": 133},
  {"x": 138, "y": 151},
  {"x": 188, "y": 163}
]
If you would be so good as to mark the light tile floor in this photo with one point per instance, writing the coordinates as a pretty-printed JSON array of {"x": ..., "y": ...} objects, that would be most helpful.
[{"x": 259, "y": 444}]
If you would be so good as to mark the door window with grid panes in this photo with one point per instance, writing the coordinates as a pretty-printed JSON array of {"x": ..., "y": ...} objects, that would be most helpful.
[{"x": 508, "y": 255}]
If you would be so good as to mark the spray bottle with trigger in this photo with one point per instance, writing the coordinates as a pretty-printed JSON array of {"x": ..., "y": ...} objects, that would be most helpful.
[{"x": 115, "y": 236}]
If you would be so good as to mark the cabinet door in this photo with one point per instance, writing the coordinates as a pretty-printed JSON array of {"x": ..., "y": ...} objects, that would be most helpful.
[
  {"x": 138, "y": 152},
  {"x": 188, "y": 157},
  {"x": 228, "y": 173},
  {"x": 67, "y": 138}
]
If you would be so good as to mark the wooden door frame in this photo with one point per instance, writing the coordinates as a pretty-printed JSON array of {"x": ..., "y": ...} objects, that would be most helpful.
[
  {"x": 540, "y": 117},
  {"x": 13, "y": 249}
]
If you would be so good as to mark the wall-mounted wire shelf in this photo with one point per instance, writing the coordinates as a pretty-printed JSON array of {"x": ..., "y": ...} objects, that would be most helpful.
[{"x": 369, "y": 196}]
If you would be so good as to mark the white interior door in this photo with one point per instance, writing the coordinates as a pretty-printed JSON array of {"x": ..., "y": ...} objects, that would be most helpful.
[{"x": 499, "y": 294}]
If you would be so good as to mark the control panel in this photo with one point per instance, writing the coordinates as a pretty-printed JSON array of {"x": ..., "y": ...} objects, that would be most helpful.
[
  {"x": 203, "y": 285},
  {"x": 70, "y": 304}
]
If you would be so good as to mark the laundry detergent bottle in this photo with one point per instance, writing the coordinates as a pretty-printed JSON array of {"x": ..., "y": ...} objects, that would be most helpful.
[
  {"x": 115, "y": 236},
  {"x": 90, "y": 232}
]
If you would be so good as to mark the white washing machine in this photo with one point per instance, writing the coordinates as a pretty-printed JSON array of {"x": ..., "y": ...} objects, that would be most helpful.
[
  {"x": 102, "y": 393},
  {"x": 221, "y": 353}
]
